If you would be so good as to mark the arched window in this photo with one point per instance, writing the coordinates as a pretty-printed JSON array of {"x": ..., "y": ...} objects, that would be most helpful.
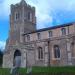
[
  {"x": 56, "y": 51},
  {"x": 40, "y": 53},
  {"x": 28, "y": 37},
  {"x": 50, "y": 33},
  {"x": 73, "y": 49},
  {"x": 63, "y": 30}
]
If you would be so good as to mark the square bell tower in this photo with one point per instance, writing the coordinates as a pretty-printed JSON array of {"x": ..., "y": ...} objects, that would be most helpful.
[{"x": 22, "y": 20}]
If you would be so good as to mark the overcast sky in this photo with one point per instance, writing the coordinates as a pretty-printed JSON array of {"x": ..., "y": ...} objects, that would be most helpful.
[{"x": 48, "y": 13}]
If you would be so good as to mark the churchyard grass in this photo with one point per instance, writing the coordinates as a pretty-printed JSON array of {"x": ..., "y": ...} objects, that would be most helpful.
[
  {"x": 42, "y": 70},
  {"x": 53, "y": 69},
  {"x": 4, "y": 71}
]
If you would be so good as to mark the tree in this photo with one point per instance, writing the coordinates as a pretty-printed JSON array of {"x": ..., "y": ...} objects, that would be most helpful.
[{"x": 1, "y": 57}]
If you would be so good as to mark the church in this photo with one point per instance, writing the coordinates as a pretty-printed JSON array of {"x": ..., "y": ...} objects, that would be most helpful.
[{"x": 53, "y": 46}]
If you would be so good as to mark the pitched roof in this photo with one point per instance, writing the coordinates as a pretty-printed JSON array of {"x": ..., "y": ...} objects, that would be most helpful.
[{"x": 50, "y": 28}]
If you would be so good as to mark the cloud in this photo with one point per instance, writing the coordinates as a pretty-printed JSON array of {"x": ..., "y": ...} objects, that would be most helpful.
[
  {"x": 42, "y": 12},
  {"x": 5, "y": 8},
  {"x": 53, "y": 12},
  {"x": 2, "y": 45},
  {"x": 47, "y": 11}
]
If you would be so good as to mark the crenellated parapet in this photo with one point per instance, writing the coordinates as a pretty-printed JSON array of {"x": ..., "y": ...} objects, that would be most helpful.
[{"x": 22, "y": 4}]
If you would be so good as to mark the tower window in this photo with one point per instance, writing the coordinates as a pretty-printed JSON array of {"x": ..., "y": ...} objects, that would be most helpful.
[
  {"x": 63, "y": 31},
  {"x": 50, "y": 33},
  {"x": 25, "y": 15},
  {"x": 38, "y": 35},
  {"x": 17, "y": 15},
  {"x": 56, "y": 51},
  {"x": 40, "y": 53},
  {"x": 28, "y": 15}
]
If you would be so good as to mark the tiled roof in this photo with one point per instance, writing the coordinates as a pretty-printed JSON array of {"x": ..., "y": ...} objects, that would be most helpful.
[{"x": 50, "y": 28}]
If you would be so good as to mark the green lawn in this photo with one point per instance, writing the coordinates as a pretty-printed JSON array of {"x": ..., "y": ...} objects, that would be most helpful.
[
  {"x": 6, "y": 71},
  {"x": 53, "y": 69}
]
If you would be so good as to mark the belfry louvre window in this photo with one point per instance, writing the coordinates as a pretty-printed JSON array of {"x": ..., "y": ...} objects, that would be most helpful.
[
  {"x": 29, "y": 16},
  {"x": 40, "y": 53},
  {"x": 17, "y": 15},
  {"x": 56, "y": 51},
  {"x": 63, "y": 30}
]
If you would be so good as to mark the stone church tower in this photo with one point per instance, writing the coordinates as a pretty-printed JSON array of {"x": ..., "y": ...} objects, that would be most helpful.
[{"x": 22, "y": 20}]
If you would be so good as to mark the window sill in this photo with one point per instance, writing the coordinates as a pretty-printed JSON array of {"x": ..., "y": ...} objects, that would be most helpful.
[
  {"x": 56, "y": 59},
  {"x": 40, "y": 59},
  {"x": 73, "y": 57}
]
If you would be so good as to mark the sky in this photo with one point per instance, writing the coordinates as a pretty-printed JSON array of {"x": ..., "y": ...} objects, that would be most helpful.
[{"x": 48, "y": 13}]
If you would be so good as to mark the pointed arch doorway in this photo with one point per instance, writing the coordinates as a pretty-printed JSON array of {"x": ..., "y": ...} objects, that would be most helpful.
[{"x": 17, "y": 57}]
